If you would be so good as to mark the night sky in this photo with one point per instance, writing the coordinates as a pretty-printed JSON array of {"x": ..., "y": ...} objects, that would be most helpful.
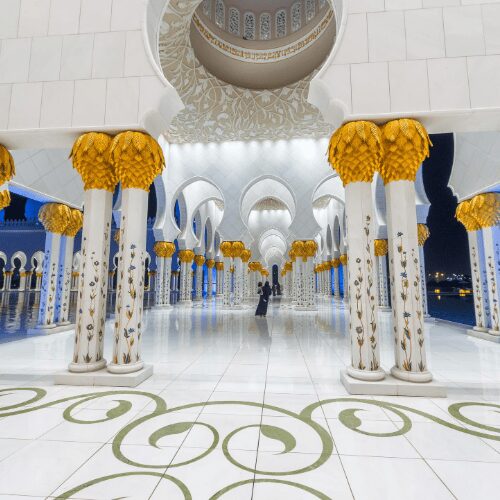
[{"x": 445, "y": 251}]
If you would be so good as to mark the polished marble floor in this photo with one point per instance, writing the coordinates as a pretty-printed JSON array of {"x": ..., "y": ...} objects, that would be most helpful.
[{"x": 247, "y": 408}]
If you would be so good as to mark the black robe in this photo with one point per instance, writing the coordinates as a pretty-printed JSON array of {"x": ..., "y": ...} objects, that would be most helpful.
[{"x": 263, "y": 301}]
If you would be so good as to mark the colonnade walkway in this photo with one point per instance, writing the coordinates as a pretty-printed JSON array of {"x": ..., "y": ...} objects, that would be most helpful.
[{"x": 248, "y": 408}]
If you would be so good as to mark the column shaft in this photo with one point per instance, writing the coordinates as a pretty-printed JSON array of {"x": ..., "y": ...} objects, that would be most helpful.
[
  {"x": 130, "y": 285},
  {"x": 92, "y": 283}
]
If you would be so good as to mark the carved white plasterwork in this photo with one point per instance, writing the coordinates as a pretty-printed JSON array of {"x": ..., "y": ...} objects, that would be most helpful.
[{"x": 216, "y": 111}]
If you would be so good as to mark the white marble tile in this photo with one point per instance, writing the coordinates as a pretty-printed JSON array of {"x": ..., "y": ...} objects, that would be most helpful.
[
  {"x": 25, "y": 105},
  {"x": 448, "y": 87},
  {"x": 122, "y": 101},
  {"x": 89, "y": 103},
  {"x": 468, "y": 480},
  {"x": 34, "y": 18},
  {"x": 460, "y": 20},
  {"x": 386, "y": 36},
  {"x": 23, "y": 473},
  {"x": 95, "y": 16},
  {"x": 354, "y": 45},
  {"x": 45, "y": 60},
  {"x": 370, "y": 88},
  {"x": 57, "y": 104},
  {"x": 108, "y": 55},
  {"x": 15, "y": 60},
  {"x": 373, "y": 478},
  {"x": 76, "y": 57},
  {"x": 64, "y": 17},
  {"x": 9, "y": 22},
  {"x": 127, "y": 15},
  {"x": 409, "y": 85},
  {"x": 424, "y": 33}
]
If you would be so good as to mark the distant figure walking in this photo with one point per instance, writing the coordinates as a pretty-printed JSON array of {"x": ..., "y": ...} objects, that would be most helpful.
[
  {"x": 274, "y": 290},
  {"x": 264, "y": 293}
]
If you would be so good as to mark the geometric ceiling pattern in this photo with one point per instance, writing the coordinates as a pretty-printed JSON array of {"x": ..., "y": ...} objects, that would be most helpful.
[{"x": 216, "y": 111}]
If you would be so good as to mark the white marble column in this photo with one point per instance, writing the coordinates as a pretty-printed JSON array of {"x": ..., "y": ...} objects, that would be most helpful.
[
  {"x": 92, "y": 286},
  {"x": 210, "y": 279},
  {"x": 423, "y": 234},
  {"x": 356, "y": 165},
  {"x": 219, "y": 279},
  {"x": 345, "y": 276},
  {"x": 226, "y": 290},
  {"x": 491, "y": 240},
  {"x": 199, "y": 261},
  {"x": 55, "y": 218},
  {"x": 186, "y": 280},
  {"x": 130, "y": 283},
  {"x": 137, "y": 159},
  {"x": 336, "y": 279},
  {"x": 381, "y": 248},
  {"x": 406, "y": 145},
  {"x": 66, "y": 267}
]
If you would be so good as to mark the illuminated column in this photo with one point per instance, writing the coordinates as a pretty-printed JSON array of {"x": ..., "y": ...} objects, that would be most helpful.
[
  {"x": 210, "y": 278},
  {"x": 7, "y": 171},
  {"x": 137, "y": 159},
  {"x": 90, "y": 156},
  {"x": 381, "y": 249},
  {"x": 219, "y": 279},
  {"x": 164, "y": 251},
  {"x": 465, "y": 215},
  {"x": 199, "y": 261},
  {"x": 8, "y": 280},
  {"x": 237, "y": 249},
  {"x": 423, "y": 233},
  {"x": 23, "y": 274},
  {"x": 66, "y": 266},
  {"x": 406, "y": 145},
  {"x": 345, "y": 274},
  {"x": 245, "y": 257},
  {"x": 355, "y": 152},
  {"x": 310, "y": 249},
  {"x": 226, "y": 249},
  {"x": 486, "y": 209},
  {"x": 55, "y": 218},
  {"x": 186, "y": 257},
  {"x": 298, "y": 252},
  {"x": 336, "y": 279}
]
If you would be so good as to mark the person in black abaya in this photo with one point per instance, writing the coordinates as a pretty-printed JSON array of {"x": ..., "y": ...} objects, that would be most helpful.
[{"x": 264, "y": 293}]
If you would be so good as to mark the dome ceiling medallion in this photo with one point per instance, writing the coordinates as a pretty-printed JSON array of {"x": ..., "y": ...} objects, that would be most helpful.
[{"x": 216, "y": 111}]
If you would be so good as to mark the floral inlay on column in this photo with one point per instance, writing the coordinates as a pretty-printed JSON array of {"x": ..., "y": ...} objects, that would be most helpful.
[
  {"x": 137, "y": 159},
  {"x": 55, "y": 218},
  {"x": 355, "y": 152},
  {"x": 406, "y": 145},
  {"x": 90, "y": 157}
]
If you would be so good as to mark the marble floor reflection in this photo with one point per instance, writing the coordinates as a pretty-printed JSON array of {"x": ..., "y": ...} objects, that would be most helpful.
[{"x": 248, "y": 408}]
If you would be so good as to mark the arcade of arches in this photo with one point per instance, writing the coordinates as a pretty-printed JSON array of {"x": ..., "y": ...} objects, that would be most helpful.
[{"x": 182, "y": 153}]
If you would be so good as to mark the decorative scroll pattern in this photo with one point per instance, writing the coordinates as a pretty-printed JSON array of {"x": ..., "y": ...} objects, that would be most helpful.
[
  {"x": 162, "y": 422},
  {"x": 216, "y": 111}
]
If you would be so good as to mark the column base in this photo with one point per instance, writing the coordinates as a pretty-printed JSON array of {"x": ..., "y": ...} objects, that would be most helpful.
[
  {"x": 366, "y": 375},
  {"x": 391, "y": 386},
  {"x": 122, "y": 369},
  {"x": 384, "y": 309},
  {"x": 87, "y": 367},
  {"x": 484, "y": 335},
  {"x": 104, "y": 378},
  {"x": 185, "y": 303},
  {"x": 50, "y": 329},
  {"x": 305, "y": 308},
  {"x": 414, "y": 377}
]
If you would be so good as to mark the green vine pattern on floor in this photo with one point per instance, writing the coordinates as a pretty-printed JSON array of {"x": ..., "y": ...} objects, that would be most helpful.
[{"x": 349, "y": 417}]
